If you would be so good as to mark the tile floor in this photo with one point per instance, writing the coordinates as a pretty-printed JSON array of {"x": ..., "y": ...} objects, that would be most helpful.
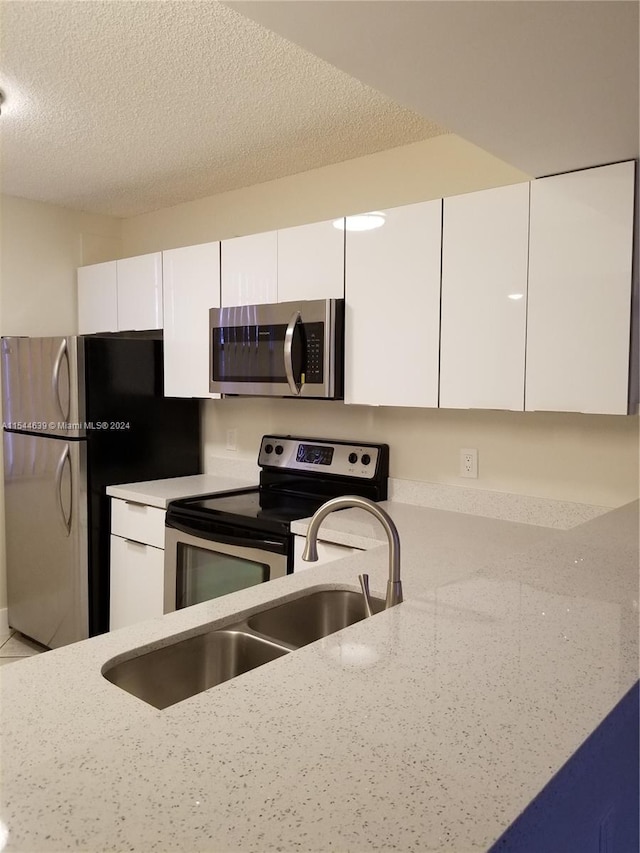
[{"x": 14, "y": 647}]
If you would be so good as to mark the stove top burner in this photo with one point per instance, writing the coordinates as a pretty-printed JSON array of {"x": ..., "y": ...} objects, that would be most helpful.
[{"x": 257, "y": 504}]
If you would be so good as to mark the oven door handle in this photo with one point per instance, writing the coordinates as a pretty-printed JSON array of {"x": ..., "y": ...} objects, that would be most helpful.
[
  {"x": 259, "y": 542},
  {"x": 288, "y": 353}
]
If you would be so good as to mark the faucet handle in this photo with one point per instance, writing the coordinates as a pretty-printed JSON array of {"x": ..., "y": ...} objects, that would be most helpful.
[{"x": 364, "y": 583}]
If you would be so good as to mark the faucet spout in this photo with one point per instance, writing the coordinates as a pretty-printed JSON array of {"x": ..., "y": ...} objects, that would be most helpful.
[{"x": 310, "y": 554}]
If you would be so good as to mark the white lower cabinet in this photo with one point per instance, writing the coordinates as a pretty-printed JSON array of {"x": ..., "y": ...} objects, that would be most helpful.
[
  {"x": 327, "y": 553},
  {"x": 137, "y": 563},
  {"x": 137, "y": 582}
]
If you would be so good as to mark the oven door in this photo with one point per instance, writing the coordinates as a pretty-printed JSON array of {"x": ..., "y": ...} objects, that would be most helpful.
[
  {"x": 292, "y": 349},
  {"x": 197, "y": 569}
]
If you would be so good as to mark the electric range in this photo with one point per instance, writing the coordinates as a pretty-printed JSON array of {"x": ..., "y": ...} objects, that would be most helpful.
[{"x": 217, "y": 544}]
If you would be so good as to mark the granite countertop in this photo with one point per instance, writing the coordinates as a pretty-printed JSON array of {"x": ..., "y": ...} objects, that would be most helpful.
[
  {"x": 159, "y": 492},
  {"x": 430, "y": 726}
]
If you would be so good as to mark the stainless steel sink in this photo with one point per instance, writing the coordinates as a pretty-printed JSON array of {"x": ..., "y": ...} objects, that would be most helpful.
[
  {"x": 311, "y": 617},
  {"x": 172, "y": 673},
  {"x": 167, "y": 675}
]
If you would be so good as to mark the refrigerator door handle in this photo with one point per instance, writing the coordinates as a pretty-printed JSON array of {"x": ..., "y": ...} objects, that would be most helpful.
[
  {"x": 63, "y": 352},
  {"x": 66, "y": 520}
]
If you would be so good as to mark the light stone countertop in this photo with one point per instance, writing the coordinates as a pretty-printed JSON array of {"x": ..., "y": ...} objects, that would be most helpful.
[
  {"x": 430, "y": 726},
  {"x": 159, "y": 492},
  {"x": 546, "y": 512}
]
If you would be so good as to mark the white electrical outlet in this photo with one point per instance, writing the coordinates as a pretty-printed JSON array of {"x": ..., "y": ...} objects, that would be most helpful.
[
  {"x": 468, "y": 462},
  {"x": 232, "y": 439}
]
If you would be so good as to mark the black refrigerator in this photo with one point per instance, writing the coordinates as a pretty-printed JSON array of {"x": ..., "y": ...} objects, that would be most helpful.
[{"x": 80, "y": 414}]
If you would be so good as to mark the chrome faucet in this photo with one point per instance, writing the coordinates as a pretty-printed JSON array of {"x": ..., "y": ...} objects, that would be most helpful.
[{"x": 394, "y": 584}]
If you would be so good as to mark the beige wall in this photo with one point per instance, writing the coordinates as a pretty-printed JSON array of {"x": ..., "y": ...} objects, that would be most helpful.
[
  {"x": 446, "y": 165},
  {"x": 41, "y": 247},
  {"x": 592, "y": 459},
  {"x": 583, "y": 458}
]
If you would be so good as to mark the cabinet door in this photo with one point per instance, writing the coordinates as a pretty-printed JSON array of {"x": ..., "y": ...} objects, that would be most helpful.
[
  {"x": 97, "y": 298},
  {"x": 311, "y": 262},
  {"x": 580, "y": 290},
  {"x": 392, "y": 324},
  {"x": 136, "y": 521},
  {"x": 191, "y": 286},
  {"x": 484, "y": 299},
  {"x": 140, "y": 292},
  {"x": 250, "y": 269},
  {"x": 137, "y": 582}
]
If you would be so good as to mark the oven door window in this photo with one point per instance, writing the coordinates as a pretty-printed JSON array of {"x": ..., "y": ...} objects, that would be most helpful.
[{"x": 202, "y": 574}]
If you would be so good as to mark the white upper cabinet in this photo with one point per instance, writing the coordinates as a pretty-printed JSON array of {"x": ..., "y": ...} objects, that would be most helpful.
[
  {"x": 311, "y": 262},
  {"x": 191, "y": 277},
  {"x": 305, "y": 262},
  {"x": 120, "y": 296},
  {"x": 140, "y": 292},
  {"x": 580, "y": 290},
  {"x": 97, "y": 298},
  {"x": 250, "y": 269},
  {"x": 484, "y": 299},
  {"x": 392, "y": 292}
]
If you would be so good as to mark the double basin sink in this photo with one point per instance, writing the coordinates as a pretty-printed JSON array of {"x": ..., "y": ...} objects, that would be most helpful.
[{"x": 174, "y": 672}]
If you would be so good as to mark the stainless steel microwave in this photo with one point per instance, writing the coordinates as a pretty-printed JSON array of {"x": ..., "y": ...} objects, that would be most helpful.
[{"x": 289, "y": 349}]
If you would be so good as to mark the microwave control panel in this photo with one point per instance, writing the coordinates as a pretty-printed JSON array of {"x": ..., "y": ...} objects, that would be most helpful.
[{"x": 314, "y": 352}]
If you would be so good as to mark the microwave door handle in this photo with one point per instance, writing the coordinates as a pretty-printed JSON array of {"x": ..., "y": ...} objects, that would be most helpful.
[{"x": 288, "y": 353}]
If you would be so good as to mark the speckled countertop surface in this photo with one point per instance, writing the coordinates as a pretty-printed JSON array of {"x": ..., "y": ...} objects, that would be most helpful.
[
  {"x": 430, "y": 726},
  {"x": 159, "y": 492}
]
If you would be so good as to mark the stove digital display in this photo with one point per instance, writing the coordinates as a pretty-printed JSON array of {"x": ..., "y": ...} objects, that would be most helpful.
[{"x": 312, "y": 454}]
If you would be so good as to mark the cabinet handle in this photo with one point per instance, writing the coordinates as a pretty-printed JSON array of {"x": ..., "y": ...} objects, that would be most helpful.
[{"x": 134, "y": 542}]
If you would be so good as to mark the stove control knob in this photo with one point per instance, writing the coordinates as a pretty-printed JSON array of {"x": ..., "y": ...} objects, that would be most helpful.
[
  {"x": 365, "y": 459},
  {"x": 353, "y": 458},
  {"x": 268, "y": 448},
  {"x": 279, "y": 450}
]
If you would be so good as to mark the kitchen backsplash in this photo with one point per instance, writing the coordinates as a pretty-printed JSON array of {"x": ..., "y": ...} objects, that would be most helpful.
[{"x": 583, "y": 459}]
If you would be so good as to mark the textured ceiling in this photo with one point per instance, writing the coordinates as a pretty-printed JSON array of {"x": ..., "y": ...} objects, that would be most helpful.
[
  {"x": 127, "y": 107},
  {"x": 546, "y": 86}
]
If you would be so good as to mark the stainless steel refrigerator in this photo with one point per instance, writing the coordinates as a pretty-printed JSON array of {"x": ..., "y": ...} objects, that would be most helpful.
[{"x": 79, "y": 414}]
